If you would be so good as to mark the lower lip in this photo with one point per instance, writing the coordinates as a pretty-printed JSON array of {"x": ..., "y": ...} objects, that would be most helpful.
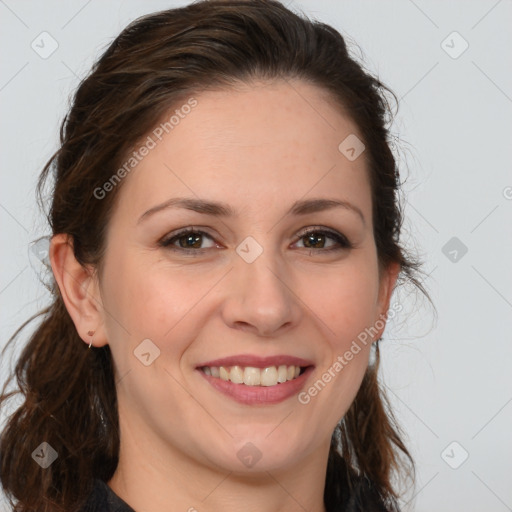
[{"x": 254, "y": 395}]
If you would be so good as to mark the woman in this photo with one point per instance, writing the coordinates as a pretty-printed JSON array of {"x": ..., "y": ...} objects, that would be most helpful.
[{"x": 225, "y": 225}]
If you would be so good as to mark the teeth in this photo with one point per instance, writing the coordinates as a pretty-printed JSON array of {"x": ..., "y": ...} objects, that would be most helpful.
[
  {"x": 282, "y": 373},
  {"x": 251, "y": 376},
  {"x": 269, "y": 376},
  {"x": 236, "y": 375}
]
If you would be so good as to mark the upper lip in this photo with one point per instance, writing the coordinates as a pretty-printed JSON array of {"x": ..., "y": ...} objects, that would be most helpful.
[{"x": 257, "y": 361}]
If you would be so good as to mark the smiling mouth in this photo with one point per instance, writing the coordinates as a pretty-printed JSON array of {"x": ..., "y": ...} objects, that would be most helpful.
[{"x": 251, "y": 376}]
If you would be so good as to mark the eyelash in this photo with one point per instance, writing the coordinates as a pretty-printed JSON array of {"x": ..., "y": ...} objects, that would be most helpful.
[{"x": 343, "y": 242}]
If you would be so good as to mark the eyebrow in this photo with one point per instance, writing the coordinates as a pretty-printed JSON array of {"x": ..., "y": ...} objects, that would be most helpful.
[{"x": 218, "y": 209}]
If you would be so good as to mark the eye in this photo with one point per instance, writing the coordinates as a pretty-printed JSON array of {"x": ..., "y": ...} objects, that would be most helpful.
[
  {"x": 316, "y": 239},
  {"x": 188, "y": 241}
]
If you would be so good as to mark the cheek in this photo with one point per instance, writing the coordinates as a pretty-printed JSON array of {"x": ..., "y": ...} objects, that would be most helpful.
[
  {"x": 150, "y": 300},
  {"x": 345, "y": 303},
  {"x": 345, "y": 300}
]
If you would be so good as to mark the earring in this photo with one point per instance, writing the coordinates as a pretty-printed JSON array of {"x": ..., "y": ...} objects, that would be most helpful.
[{"x": 91, "y": 334}]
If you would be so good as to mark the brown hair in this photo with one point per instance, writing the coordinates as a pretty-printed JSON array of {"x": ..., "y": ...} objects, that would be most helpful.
[{"x": 69, "y": 391}]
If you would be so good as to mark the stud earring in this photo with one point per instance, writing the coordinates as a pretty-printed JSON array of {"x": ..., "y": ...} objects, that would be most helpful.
[{"x": 91, "y": 334}]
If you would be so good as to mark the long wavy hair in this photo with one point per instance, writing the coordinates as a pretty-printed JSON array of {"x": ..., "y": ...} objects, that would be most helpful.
[{"x": 68, "y": 391}]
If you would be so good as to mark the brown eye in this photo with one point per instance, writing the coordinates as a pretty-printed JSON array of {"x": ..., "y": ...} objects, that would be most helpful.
[
  {"x": 188, "y": 240},
  {"x": 317, "y": 239}
]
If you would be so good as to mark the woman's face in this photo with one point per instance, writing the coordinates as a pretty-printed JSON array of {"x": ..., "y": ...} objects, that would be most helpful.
[{"x": 253, "y": 290}]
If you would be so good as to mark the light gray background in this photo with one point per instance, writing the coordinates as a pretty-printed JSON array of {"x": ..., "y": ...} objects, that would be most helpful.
[{"x": 448, "y": 379}]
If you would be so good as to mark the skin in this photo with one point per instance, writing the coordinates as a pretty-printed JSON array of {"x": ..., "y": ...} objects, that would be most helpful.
[{"x": 259, "y": 148}]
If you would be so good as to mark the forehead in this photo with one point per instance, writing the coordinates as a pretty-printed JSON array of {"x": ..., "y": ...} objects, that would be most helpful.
[{"x": 276, "y": 139}]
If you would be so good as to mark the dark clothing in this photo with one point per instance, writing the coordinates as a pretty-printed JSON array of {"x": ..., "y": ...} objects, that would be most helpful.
[{"x": 103, "y": 499}]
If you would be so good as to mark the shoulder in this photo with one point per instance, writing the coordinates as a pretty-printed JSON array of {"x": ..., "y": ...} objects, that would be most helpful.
[{"x": 103, "y": 499}]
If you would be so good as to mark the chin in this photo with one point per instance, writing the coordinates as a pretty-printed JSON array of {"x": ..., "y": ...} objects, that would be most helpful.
[{"x": 259, "y": 453}]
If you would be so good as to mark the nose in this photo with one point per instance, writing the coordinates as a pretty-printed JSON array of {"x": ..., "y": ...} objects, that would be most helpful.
[{"x": 260, "y": 298}]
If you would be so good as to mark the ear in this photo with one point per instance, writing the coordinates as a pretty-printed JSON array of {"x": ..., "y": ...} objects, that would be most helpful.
[
  {"x": 79, "y": 289},
  {"x": 388, "y": 278}
]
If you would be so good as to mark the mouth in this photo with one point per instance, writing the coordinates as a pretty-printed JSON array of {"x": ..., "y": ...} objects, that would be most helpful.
[
  {"x": 253, "y": 380},
  {"x": 252, "y": 376}
]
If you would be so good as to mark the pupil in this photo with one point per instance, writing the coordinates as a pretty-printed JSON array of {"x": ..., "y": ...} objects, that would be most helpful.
[
  {"x": 194, "y": 239},
  {"x": 311, "y": 238}
]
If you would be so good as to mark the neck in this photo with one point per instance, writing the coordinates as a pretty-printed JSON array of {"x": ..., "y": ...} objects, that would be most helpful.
[{"x": 151, "y": 475}]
